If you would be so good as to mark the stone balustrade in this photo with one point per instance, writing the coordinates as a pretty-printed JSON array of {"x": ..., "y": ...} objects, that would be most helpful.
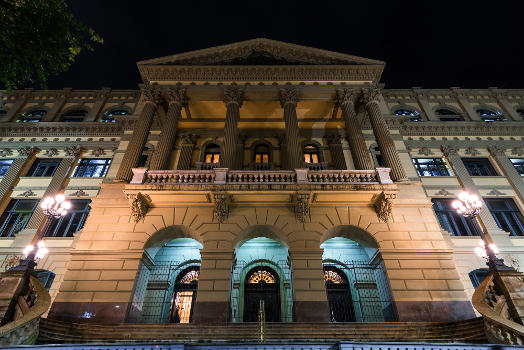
[{"x": 226, "y": 176}]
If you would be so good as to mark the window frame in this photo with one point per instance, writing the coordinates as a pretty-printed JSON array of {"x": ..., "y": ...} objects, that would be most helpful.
[
  {"x": 503, "y": 218},
  {"x": 74, "y": 115},
  {"x": 20, "y": 222},
  {"x": 84, "y": 164},
  {"x": 414, "y": 115},
  {"x": 40, "y": 162},
  {"x": 28, "y": 117},
  {"x": 451, "y": 221},
  {"x": 214, "y": 153},
  {"x": 518, "y": 167},
  {"x": 108, "y": 116},
  {"x": 69, "y": 218},
  {"x": 476, "y": 170},
  {"x": 494, "y": 116},
  {"x": 437, "y": 167},
  {"x": 455, "y": 116}
]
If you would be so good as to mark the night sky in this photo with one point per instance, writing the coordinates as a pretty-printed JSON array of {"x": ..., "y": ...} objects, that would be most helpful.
[{"x": 432, "y": 44}]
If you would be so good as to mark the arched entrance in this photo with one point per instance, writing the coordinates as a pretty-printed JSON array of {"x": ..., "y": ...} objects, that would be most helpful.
[
  {"x": 184, "y": 295},
  {"x": 338, "y": 295},
  {"x": 262, "y": 288}
]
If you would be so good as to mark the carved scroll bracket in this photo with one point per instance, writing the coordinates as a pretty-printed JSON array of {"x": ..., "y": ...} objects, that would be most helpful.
[
  {"x": 302, "y": 206},
  {"x": 383, "y": 205},
  {"x": 221, "y": 210},
  {"x": 140, "y": 205}
]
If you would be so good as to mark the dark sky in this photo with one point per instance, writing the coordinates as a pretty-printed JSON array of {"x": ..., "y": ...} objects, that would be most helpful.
[{"x": 433, "y": 44}]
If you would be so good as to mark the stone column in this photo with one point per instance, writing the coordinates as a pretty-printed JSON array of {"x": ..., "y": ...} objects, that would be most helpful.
[
  {"x": 57, "y": 106},
  {"x": 186, "y": 152},
  {"x": 384, "y": 140},
  {"x": 214, "y": 283},
  {"x": 20, "y": 101},
  {"x": 311, "y": 303},
  {"x": 499, "y": 154},
  {"x": 100, "y": 101},
  {"x": 152, "y": 97},
  {"x": 177, "y": 99},
  {"x": 233, "y": 98},
  {"x": 337, "y": 154},
  {"x": 294, "y": 154},
  {"x": 357, "y": 144},
  {"x": 468, "y": 184},
  {"x": 14, "y": 171},
  {"x": 55, "y": 185}
]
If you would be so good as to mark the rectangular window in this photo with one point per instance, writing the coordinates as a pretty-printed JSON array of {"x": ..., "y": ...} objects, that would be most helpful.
[
  {"x": 518, "y": 163},
  {"x": 479, "y": 167},
  {"x": 44, "y": 167},
  {"x": 431, "y": 167},
  {"x": 92, "y": 167},
  {"x": 507, "y": 215},
  {"x": 451, "y": 221},
  {"x": 4, "y": 166},
  {"x": 16, "y": 216},
  {"x": 72, "y": 222}
]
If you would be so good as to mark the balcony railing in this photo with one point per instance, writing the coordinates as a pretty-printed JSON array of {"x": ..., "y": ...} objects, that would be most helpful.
[{"x": 226, "y": 176}]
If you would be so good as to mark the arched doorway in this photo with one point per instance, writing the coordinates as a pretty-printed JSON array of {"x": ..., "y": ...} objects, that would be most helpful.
[
  {"x": 262, "y": 287},
  {"x": 338, "y": 295},
  {"x": 184, "y": 295}
]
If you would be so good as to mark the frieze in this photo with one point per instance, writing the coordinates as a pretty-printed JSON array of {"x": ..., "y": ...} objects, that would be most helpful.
[
  {"x": 51, "y": 152},
  {"x": 26, "y": 151},
  {"x": 517, "y": 151},
  {"x": 73, "y": 151},
  {"x": 471, "y": 151},
  {"x": 57, "y": 129},
  {"x": 97, "y": 152}
]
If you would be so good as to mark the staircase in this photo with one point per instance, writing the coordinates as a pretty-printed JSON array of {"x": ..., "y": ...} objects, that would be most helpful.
[{"x": 469, "y": 331}]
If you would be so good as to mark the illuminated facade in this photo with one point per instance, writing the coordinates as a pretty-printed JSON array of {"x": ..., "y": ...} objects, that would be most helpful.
[{"x": 262, "y": 171}]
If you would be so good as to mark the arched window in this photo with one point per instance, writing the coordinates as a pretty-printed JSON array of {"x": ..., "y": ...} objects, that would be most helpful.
[
  {"x": 338, "y": 295},
  {"x": 184, "y": 295},
  {"x": 448, "y": 115},
  {"x": 311, "y": 154},
  {"x": 414, "y": 115},
  {"x": 109, "y": 116},
  {"x": 212, "y": 154},
  {"x": 76, "y": 115},
  {"x": 490, "y": 115},
  {"x": 33, "y": 116},
  {"x": 520, "y": 111},
  {"x": 262, "y": 287}
]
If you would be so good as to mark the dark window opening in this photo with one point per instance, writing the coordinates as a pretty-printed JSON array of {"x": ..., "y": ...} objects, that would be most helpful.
[
  {"x": 477, "y": 276},
  {"x": 431, "y": 167},
  {"x": 507, "y": 215},
  {"x": 77, "y": 115},
  {"x": 520, "y": 111},
  {"x": 338, "y": 295},
  {"x": 72, "y": 222},
  {"x": 262, "y": 286},
  {"x": 16, "y": 216},
  {"x": 379, "y": 159},
  {"x": 479, "y": 167},
  {"x": 44, "y": 167},
  {"x": 33, "y": 116},
  {"x": 92, "y": 167},
  {"x": 518, "y": 163},
  {"x": 5, "y": 164},
  {"x": 489, "y": 115},
  {"x": 414, "y": 116},
  {"x": 447, "y": 115},
  {"x": 451, "y": 221},
  {"x": 109, "y": 116}
]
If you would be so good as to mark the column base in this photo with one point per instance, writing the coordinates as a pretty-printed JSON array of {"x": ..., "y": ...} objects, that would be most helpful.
[
  {"x": 211, "y": 312},
  {"x": 312, "y": 311},
  {"x": 435, "y": 311}
]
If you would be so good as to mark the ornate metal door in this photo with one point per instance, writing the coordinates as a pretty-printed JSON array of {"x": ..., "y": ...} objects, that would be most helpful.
[
  {"x": 338, "y": 295},
  {"x": 262, "y": 283}
]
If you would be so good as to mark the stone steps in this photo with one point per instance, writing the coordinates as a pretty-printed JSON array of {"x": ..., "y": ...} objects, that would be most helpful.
[{"x": 54, "y": 331}]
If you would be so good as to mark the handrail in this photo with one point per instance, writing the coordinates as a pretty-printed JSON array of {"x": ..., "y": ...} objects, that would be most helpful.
[
  {"x": 498, "y": 329},
  {"x": 25, "y": 329}
]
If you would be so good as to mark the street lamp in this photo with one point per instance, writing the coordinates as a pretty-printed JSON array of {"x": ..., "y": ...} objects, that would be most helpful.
[
  {"x": 53, "y": 208},
  {"x": 469, "y": 205}
]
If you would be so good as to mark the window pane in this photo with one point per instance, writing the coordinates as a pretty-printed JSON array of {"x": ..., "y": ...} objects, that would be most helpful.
[
  {"x": 209, "y": 158},
  {"x": 451, "y": 221},
  {"x": 507, "y": 215}
]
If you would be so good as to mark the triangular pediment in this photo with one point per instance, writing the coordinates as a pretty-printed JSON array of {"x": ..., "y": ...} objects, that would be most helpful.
[{"x": 259, "y": 52}]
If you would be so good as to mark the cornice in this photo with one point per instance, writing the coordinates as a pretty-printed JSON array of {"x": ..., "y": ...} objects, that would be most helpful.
[{"x": 60, "y": 129}]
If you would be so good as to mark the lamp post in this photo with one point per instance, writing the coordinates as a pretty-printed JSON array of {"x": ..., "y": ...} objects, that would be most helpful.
[
  {"x": 469, "y": 205},
  {"x": 53, "y": 208}
]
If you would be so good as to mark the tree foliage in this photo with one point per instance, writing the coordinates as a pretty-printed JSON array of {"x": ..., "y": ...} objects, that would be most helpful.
[{"x": 39, "y": 38}]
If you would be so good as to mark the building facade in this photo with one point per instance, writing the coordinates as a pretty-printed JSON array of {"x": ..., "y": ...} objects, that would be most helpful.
[{"x": 262, "y": 171}]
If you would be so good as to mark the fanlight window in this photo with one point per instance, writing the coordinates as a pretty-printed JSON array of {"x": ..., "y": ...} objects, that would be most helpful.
[
  {"x": 447, "y": 115},
  {"x": 262, "y": 154},
  {"x": 212, "y": 154},
  {"x": 311, "y": 154},
  {"x": 76, "y": 115},
  {"x": 489, "y": 115},
  {"x": 412, "y": 113},
  {"x": 261, "y": 276},
  {"x": 33, "y": 116},
  {"x": 191, "y": 276},
  {"x": 109, "y": 116},
  {"x": 333, "y": 277}
]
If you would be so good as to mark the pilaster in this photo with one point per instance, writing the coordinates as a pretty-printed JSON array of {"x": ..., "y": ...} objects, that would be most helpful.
[
  {"x": 504, "y": 103},
  {"x": 14, "y": 171},
  {"x": 57, "y": 106},
  {"x": 464, "y": 103},
  {"x": 20, "y": 101},
  {"x": 100, "y": 101},
  {"x": 499, "y": 154},
  {"x": 422, "y": 100}
]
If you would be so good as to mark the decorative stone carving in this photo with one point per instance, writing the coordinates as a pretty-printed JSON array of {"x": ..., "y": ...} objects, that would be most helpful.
[
  {"x": 334, "y": 139},
  {"x": 497, "y": 150},
  {"x": 73, "y": 151},
  {"x": 28, "y": 193},
  {"x": 472, "y": 151},
  {"x": 80, "y": 193},
  {"x": 177, "y": 95},
  {"x": 425, "y": 151},
  {"x": 152, "y": 94},
  {"x": 51, "y": 152},
  {"x": 234, "y": 94},
  {"x": 288, "y": 95},
  {"x": 6, "y": 152},
  {"x": 495, "y": 192},
  {"x": 443, "y": 192},
  {"x": 449, "y": 150},
  {"x": 346, "y": 96},
  {"x": 369, "y": 95},
  {"x": 221, "y": 210},
  {"x": 517, "y": 151},
  {"x": 97, "y": 152},
  {"x": 140, "y": 205},
  {"x": 383, "y": 206},
  {"x": 26, "y": 151},
  {"x": 302, "y": 206}
]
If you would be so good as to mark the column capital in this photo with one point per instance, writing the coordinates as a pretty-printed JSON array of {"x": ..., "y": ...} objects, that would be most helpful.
[
  {"x": 449, "y": 150},
  {"x": 26, "y": 151},
  {"x": 369, "y": 95},
  {"x": 177, "y": 96},
  {"x": 73, "y": 151},
  {"x": 288, "y": 95},
  {"x": 334, "y": 139},
  {"x": 346, "y": 96},
  {"x": 152, "y": 94},
  {"x": 234, "y": 94},
  {"x": 497, "y": 150}
]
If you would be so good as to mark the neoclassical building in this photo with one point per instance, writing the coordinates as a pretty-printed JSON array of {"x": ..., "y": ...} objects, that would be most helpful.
[{"x": 262, "y": 171}]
